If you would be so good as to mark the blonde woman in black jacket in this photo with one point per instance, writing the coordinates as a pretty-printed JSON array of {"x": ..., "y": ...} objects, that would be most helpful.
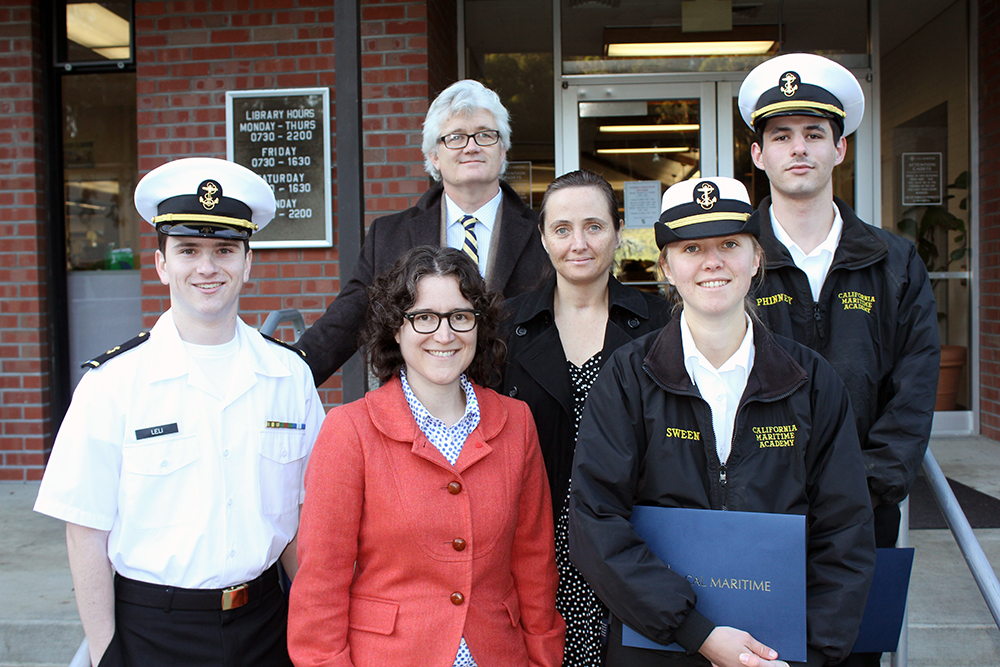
[
  {"x": 559, "y": 336},
  {"x": 674, "y": 420}
]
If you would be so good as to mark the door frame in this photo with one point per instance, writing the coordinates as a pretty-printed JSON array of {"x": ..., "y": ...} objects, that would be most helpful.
[{"x": 716, "y": 141}]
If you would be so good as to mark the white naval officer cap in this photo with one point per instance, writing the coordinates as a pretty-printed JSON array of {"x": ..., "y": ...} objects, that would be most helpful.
[
  {"x": 704, "y": 208},
  {"x": 802, "y": 84},
  {"x": 204, "y": 196}
]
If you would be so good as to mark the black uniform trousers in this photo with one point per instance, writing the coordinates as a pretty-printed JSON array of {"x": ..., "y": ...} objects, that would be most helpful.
[{"x": 254, "y": 634}]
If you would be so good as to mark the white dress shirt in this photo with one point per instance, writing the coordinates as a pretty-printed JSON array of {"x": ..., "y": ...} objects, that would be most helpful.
[
  {"x": 721, "y": 387},
  {"x": 486, "y": 216},
  {"x": 816, "y": 264},
  {"x": 197, "y": 491}
]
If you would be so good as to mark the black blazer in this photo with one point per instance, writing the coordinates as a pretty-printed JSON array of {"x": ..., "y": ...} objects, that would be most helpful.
[
  {"x": 520, "y": 261},
  {"x": 536, "y": 370}
]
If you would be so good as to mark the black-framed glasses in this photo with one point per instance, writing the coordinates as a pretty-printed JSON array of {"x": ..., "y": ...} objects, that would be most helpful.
[
  {"x": 427, "y": 321},
  {"x": 457, "y": 140}
]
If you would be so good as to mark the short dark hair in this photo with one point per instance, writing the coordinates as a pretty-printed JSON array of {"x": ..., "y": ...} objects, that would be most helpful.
[
  {"x": 161, "y": 243},
  {"x": 395, "y": 291},
  {"x": 836, "y": 129},
  {"x": 582, "y": 178}
]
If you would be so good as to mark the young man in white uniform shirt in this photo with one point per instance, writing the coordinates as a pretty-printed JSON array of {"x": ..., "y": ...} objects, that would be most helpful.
[{"x": 179, "y": 465}]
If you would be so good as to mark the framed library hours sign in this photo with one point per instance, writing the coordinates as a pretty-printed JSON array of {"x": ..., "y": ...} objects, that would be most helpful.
[{"x": 284, "y": 135}]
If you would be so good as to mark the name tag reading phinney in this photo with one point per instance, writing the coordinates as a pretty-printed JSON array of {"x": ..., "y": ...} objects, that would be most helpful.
[{"x": 748, "y": 570}]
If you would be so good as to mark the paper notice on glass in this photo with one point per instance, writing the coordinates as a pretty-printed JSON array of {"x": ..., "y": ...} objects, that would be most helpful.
[{"x": 642, "y": 203}]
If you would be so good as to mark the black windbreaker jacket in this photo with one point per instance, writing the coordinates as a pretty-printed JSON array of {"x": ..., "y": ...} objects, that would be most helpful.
[
  {"x": 536, "y": 370},
  {"x": 876, "y": 323},
  {"x": 646, "y": 438}
]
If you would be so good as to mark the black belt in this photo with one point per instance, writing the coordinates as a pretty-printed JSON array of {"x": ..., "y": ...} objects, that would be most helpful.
[{"x": 195, "y": 599}]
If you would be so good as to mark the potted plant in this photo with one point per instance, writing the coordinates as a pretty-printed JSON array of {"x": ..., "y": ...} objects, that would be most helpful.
[{"x": 930, "y": 232}]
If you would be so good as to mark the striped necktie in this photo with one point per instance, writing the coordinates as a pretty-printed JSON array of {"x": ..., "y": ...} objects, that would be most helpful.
[{"x": 470, "y": 247}]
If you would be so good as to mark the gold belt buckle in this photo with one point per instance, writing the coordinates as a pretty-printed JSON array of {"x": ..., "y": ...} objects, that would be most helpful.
[{"x": 235, "y": 597}]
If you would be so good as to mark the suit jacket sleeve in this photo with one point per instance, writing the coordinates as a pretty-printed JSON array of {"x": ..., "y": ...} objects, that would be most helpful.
[
  {"x": 333, "y": 338},
  {"x": 898, "y": 438},
  {"x": 533, "y": 558},
  {"x": 327, "y": 547}
]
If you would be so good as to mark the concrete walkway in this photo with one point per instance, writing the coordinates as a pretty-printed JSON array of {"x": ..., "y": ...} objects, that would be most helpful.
[
  {"x": 39, "y": 624},
  {"x": 949, "y": 623}
]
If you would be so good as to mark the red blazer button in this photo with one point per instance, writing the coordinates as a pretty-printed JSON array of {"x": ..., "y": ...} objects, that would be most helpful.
[
  {"x": 457, "y": 598},
  {"x": 454, "y": 488},
  {"x": 459, "y": 544}
]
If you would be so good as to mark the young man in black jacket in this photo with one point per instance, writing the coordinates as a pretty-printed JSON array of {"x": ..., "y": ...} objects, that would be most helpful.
[{"x": 857, "y": 294}]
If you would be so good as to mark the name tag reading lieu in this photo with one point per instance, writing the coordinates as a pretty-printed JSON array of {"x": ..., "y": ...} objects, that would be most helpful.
[
  {"x": 153, "y": 431},
  {"x": 748, "y": 570}
]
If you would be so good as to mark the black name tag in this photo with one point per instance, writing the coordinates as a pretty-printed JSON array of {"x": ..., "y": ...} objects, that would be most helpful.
[{"x": 143, "y": 433}]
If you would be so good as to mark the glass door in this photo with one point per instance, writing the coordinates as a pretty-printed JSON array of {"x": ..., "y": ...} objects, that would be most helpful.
[
  {"x": 647, "y": 136},
  {"x": 642, "y": 139}
]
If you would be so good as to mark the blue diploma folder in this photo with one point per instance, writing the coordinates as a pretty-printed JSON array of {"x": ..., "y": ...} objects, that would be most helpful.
[
  {"x": 886, "y": 602},
  {"x": 748, "y": 570}
]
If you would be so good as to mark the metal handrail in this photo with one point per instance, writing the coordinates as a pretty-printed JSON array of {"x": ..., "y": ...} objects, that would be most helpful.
[
  {"x": 975, "y": 558},
  {"x": 278, "y": 317}
]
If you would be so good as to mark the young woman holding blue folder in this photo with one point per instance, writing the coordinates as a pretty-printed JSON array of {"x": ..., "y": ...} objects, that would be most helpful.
[{"x": 687, "y": 417}]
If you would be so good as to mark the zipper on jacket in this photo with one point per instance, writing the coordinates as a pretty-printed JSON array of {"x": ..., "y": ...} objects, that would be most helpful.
[
  {"x": 722, "y": 481},
  {"x": 817, "y": 316}
]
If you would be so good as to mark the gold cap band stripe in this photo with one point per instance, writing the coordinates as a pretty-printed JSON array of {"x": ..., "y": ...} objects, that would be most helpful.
[
  {"x": 797, "y": 104},
  {"x": 707, "y": 217},
  {"x": 180, "y": 218}
]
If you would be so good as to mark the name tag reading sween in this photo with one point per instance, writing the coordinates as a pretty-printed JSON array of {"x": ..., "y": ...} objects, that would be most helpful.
[{"x": 153, "y": 431}]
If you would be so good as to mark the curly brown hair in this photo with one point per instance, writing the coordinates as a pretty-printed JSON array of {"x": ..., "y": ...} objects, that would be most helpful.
[{"x": 395, "y": 291}]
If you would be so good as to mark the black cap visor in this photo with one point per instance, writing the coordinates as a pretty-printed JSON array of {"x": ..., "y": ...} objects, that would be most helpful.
[
  {"x": 686, "y": 222},
  {"x": 177, "y": 226}
]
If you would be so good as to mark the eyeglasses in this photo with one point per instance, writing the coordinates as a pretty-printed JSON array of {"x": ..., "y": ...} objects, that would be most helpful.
[
  {"x": 457, "y": 140},
  {"x": 427, "y": 322}
]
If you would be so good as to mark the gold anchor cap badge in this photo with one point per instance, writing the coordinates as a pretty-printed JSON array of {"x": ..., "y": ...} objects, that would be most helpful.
[
  {"x": 706, "y": 200},
  {"x": 789, "y": 87},
  {"x": 209, "y": 200}
]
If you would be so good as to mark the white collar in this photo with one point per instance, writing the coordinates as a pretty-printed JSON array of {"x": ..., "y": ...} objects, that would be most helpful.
[
  {"x": 693, "y": 358},
  {"x": 829, "y": 244},
  {"x": 486, "y": 214},
  {"x": 170, "y": 360}
]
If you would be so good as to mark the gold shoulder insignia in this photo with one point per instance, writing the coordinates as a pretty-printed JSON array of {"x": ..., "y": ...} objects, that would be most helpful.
[
  {"x": 116, "y": 350},
  {"x": 285, "y": 345}
]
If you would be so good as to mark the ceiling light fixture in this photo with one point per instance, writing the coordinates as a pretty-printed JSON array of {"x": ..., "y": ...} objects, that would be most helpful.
[
  {"x": 672, "y": 42},
  {"x": 98, "y": 29},
  {"x": 642, "y": 151},
  {"x": 691, "y": 49},
  {"x": 680, "y": 127}
]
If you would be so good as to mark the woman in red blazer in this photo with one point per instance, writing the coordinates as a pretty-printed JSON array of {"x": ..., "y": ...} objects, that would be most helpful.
[{"x": 426, "y": 534}]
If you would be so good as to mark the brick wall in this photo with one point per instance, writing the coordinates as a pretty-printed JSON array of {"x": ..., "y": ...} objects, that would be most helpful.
[
  {"x": 190, "y": 53},
  {"x": 989, "y": 215},
  {"x": 26, "y": 435}
]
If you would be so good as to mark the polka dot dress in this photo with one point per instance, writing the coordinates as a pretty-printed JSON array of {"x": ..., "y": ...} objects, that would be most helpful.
[{"x": 575, "y": 600}]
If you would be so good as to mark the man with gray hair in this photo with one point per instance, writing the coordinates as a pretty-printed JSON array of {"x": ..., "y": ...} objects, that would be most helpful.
[{"x": 465, "y": 141}]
